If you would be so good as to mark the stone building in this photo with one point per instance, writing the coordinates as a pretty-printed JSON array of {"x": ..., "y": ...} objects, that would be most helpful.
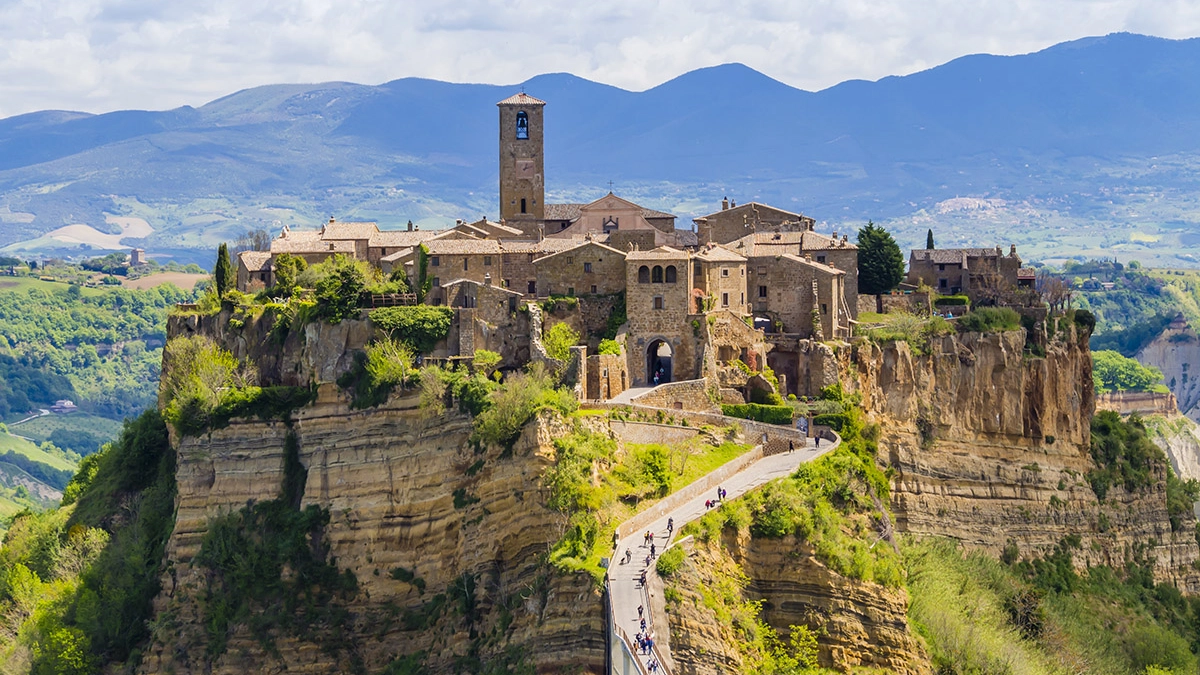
[
  {"x": 522, "y": 164},
  {"x": 610, "y": 215},
  {"x": 762, "y": 250},
  {"x": 974, "y": 272},
  {"x": 720, "y": 276},
  {"x": 591, "y": 268},
  {"x": 658, "y": 303},
  {"x": 254, "y": 271},
  {"x": 733, "y": 222}
]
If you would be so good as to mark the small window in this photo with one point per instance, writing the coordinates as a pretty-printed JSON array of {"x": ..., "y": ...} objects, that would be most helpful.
[
  {"x": 742, "y": 271},
  {"x": 533, "y": 288},
  {"x": 437, "y": 302},
  {"x": 587, "y": 268},
  {"x": 658, "y": 302},
  {"x": 941, "y": 283},
  {"x": 643, "y": 275},
  {"x": 522, "y": 130},
  {"x": 570, "y": 259},
  {"x": 743, "y": 299},
  {"x": 512, "y": 303},
  {"x": 436, "y": 261},
  {"x": 571, "y": 291},
  {"x": 656, "y": 275},
  {"x": 724, "y": 271},
  {"x": 487, "y": 261},
  {"x": 724, "y": 299},
  {"x": 697, "y": 270},
  {"x": 672, "y": 275},
  {"x": 465, "y": 263},
  {"x": 824, "y": 308},
  {"x": 523, "y": 209},
  {"x": 437, "y": 282},
  {"x": 762, "y": 291},
  {"x": 821, "y": 259},
  {"x": 593, "y": 289},
  {"x": 604, "y": 372},
  {"x": 506, "y": 284},
  {"x": 941, "y": 268}
]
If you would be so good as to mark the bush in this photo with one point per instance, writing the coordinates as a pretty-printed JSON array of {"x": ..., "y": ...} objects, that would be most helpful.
[
  {"x": 421, "y": 326},
  {"x": 669, "y": 562},
  {"x": 771, "y": 414},
  {"x": 951, "y": 301},
  {"x": 609, "y": 347},
  {"x": 990, "y": 320},
  {"x": 559, "y": 339},
  {"x": 515, "y": 402},
  {"x": 340, "y": 286},
  {"x": 1123, "y": 453},
  {"x": 834, "y": 421},
  {"x": 1113, "y": 372}
]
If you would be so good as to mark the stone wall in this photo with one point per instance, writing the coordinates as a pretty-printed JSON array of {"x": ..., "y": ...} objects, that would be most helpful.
[
  {"x": 913, "y": 303},
  {"x": 589, "y": 269},
  {"x": 686, "y": 395},
  {"x": 1143, "y": 403},
  {"x": 607, "y": 376},
  {"x": 649, "y": 432}
]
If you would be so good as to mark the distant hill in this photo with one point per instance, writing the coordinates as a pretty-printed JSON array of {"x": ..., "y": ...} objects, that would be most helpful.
[{"x": 1089, "y": 147}]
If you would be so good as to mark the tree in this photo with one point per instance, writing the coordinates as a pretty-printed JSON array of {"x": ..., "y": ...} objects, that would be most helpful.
[
  {"x": 1113, "y": 372},
  {"x": 254, "y": 240},
  {"x": 880, "y": 264},
  {"x": 287, "y": 270},
  {"x": 223, "y": 273},
  {"x": 929, "y": 240}
]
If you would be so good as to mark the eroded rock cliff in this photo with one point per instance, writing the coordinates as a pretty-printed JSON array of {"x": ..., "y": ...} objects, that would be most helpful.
[
  {"x": 403, "y": 492},
  {"x": 990, "y": 445}
]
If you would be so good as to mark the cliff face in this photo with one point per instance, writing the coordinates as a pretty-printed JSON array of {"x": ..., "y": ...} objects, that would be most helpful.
[
  {"x": 991, "y": 446},
  {"x": 1174, "y": 352},
  {"x": 404, "y": 492},
  {"x": 859, "y": 624}
]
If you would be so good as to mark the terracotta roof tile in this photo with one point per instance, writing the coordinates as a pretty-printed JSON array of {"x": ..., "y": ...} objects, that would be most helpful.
[
  {"x": 339, "y": 230},
  {"x": 718, "y": 254},
  {"x": 463, "y": 246},
  {"x": 521, "y": 99},
  {"x": 306, "y": 245},
  {"x": 255, "y": 261},
  {"x": 660, "y": 253},
  {"x": 390, "y": 238}
]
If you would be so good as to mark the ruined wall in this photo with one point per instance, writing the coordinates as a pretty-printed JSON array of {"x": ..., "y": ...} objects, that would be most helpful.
[
  {"x": 990, "y": 445},
  {"x": 1141, "y": 402},
  {"x": 401, "y": 492}
]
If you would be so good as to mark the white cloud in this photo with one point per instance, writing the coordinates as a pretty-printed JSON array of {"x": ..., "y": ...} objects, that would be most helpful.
[{"x": 100, "y": 55}]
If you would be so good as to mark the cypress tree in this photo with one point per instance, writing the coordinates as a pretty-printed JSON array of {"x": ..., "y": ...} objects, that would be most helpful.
[
  {"x": 223, "y": 273},
  {"x": 929, "y": 240},
  {"x": 880, "y": 264}
]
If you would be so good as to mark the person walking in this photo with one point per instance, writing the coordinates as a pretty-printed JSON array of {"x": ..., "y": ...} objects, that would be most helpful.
[
  {"x": 651, "y": 550},
  {"x": 791, "y": 446},
  {"x": 818, "y": 441},
  {"x": 640, "y": 610},
  {"x": 670, "y": 526}
]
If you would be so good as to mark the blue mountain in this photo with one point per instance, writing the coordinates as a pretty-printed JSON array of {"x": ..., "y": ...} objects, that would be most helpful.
[{"x": 1016, "y": 127}]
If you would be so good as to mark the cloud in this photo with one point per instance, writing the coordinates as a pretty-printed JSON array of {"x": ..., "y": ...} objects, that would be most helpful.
[{"x": 100, "y": 55}]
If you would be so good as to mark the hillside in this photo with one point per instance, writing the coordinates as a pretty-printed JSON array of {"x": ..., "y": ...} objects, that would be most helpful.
[{"x": 1084, "y": 148}]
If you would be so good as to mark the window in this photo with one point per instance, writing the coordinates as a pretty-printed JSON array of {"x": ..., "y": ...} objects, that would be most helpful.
[
  {"x": 762, "y": 291},
  {"x": 512, "y": 303},
  {"x": 762, "y": 270},
  {"x": 522, "y": 130},
  {"x": 724, "y": 271},
  {"x": 658, "y": 302},
  {"x": 672, "y": 276},
  {"x": 742, "y": 271},
  {"x": 643, "y": 275},
  {"x": 487, "y": 261},
  {"x": 697, "y": 270},
  {"x": 593, "y": 289},
  {"x": 506, "y": 284},
  {"x": 587, "y": 268},
  {"x": 437, "y": 282},
  {"x": 437, "y": 302},
  {"x": 656, "y": 275},
  {"x": 465, "y": 263},
  {"x": 724, "y": 299},
  {"x": 743, "y": 299},
  {"x": 570, "y": 259},
  {"x": 523, "y": 206},
  {"x": 941, "y": 283},
  {"x": 821, "y": 259},
  {"x": 436, "y": 261},
  {"x": 941, "y": 268},
  {"x": 533, "y": 288},
  {"x": 824, "y": 308},
  {"x": 571, "y": 291}
]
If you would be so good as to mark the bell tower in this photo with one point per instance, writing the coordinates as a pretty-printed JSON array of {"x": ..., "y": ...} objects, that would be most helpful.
[{"x": 522, "y": 185}]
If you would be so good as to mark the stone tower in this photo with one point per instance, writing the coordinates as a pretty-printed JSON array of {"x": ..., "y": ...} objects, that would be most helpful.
[{"x": 522, "y": 185}]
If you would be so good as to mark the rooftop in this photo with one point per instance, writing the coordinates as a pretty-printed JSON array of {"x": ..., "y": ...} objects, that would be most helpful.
[
  {"x": 463, "y": 246},
  {"x": 718, "y": 254},
  {"x": 581, "y": 245},
  {"x": 521, "y": 99},
  {"x": 255, "y": 261},
  {"x": 778, "y": 243},
  {"x": 571, "y": 212},
  {"x": 391, "y": 238},
  {"x": 293, "y": 244},
  {"x": 660, "y": 253},
  {"x": 338, "y": 230}
]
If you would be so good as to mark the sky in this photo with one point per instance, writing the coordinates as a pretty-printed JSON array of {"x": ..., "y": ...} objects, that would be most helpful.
[{"x": 102, "y": 55}]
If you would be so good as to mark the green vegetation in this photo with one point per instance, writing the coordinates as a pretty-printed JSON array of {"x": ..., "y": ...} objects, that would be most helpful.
[
  {"x": 1128, "y": 341},
  {"x": 669, "y": 562},
  {"x": 1113, "y": 372},
  {"x": 559, "y": 339},
  {"x": 880, "y": 262},
  {"x": 902, "y": 326},
  {"x": 981, "y": 615},
  {"x": 771, "y": 414},
  {"x": 224, "y": 276},
  {"x": 609, "y": 347},
  {"x": 75, "y": 583},
  {"x": 597, "y": 486},
  {"x": 77, "y": 432},
  {"x": 617, "y": 318},
  {"x": 1123, "y": 453},
  {"x": 385, "y": 365},
  {"x": 46, "y": 454},
  {"x": 420, "y": 326},
  {"x": 205, "y": 387},
  {"x": 989, "y": 320}
]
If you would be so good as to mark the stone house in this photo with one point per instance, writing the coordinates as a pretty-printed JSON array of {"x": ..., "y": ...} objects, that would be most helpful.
[
  {"x": 517, "y": 261},
  {"x": 763, "y": 249},
  {"x": 658, "y": 302},
  {"x": 720, "y": 275},
  {"x": 974, "y": 272},
  {"x": 254, "y": 271},
  {"x": 453, "y": 259},
  {"x": 733, "y": 222},
  {"x": 591, "y": 268}
]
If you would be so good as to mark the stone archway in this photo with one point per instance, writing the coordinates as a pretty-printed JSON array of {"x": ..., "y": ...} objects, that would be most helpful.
[{"x": 658, "y": 360}]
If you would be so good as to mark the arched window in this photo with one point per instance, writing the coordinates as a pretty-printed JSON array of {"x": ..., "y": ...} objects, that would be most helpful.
[
  {"x": 643, "y": 275},
  {"x": 522, "y": 126},
  {"x": 656, "y": 274},
  {"x": 523, "y": 206},
  {"x": 671, "y": 274}
]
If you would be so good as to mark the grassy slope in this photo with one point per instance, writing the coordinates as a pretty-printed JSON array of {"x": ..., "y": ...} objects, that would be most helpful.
[
  {"x": 40, "y": 428},
  {"x": 24, "y": 447},
  {"x": 25, "y": 283}
]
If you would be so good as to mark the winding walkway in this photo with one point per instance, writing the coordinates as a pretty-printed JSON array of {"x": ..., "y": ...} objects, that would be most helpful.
[{"x": 625, "y": 589}]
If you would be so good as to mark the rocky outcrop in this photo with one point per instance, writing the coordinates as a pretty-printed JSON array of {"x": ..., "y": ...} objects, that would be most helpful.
[
  {"x": 1174, "y": 352},
  {"x": 403, "y": 491},
  {"x": 990, "y": 445},
  {"x": 859, "y": 624},
  {"x": 1179, "y": 437}
]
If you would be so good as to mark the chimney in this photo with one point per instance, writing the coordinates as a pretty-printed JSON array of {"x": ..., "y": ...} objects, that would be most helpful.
[
  {"x": 845, "y": 238},
  {"x": 487, "y": 278},
  {"x": 410, "y": 226},
  {"x": 1012, "y": 249},
  {"x": 999, "y": 251},
  {"x": 732, "y": 203},
  {"x": 331, "y": 220},
  {"x": 725, "y": 203}
]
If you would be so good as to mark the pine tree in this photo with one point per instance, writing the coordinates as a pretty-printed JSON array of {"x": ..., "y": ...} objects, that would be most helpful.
[
  {"x": 223, "y": 272},
  {"x": 929, "y": 240},
  {"x": 880, "y": 264}
]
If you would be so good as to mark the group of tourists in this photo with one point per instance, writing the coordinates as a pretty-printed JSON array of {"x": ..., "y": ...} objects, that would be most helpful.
[{"x": 709, "y": 503}]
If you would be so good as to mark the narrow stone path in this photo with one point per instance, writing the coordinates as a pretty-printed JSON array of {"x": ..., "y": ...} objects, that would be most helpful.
[
  {"x": 626, "y": 397},
  {"x": 624, "y": 579}
]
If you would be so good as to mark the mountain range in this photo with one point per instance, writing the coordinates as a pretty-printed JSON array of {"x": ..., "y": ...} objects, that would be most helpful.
[{"x": 1085, "y": 148}]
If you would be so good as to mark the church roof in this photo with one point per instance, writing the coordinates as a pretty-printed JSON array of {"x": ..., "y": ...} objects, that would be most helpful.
[
  {"x": 521, "y": 99},
  {"x": 571, "y": 211}
]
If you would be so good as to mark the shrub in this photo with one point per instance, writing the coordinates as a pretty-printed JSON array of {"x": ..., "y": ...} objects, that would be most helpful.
[
  {"x": 1113, "y": 372},
  {"x": 669, "y": 562},
  {"x": 609, "y": 347},
  {"x": 341, "y": 283},
  {"x": 421, "y": 326},
  {"x": 515, "y": 402},
  {"x": 771, "y": 414},
  {"x": 834, "y": 421},
  {"x": 990, "y": 320},
  {"x": 559, "y": 339},
  {"x": 485, "y": 361},
  {"x": 951, "y": 300},
  {"x": 1122, "y": 452}
]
